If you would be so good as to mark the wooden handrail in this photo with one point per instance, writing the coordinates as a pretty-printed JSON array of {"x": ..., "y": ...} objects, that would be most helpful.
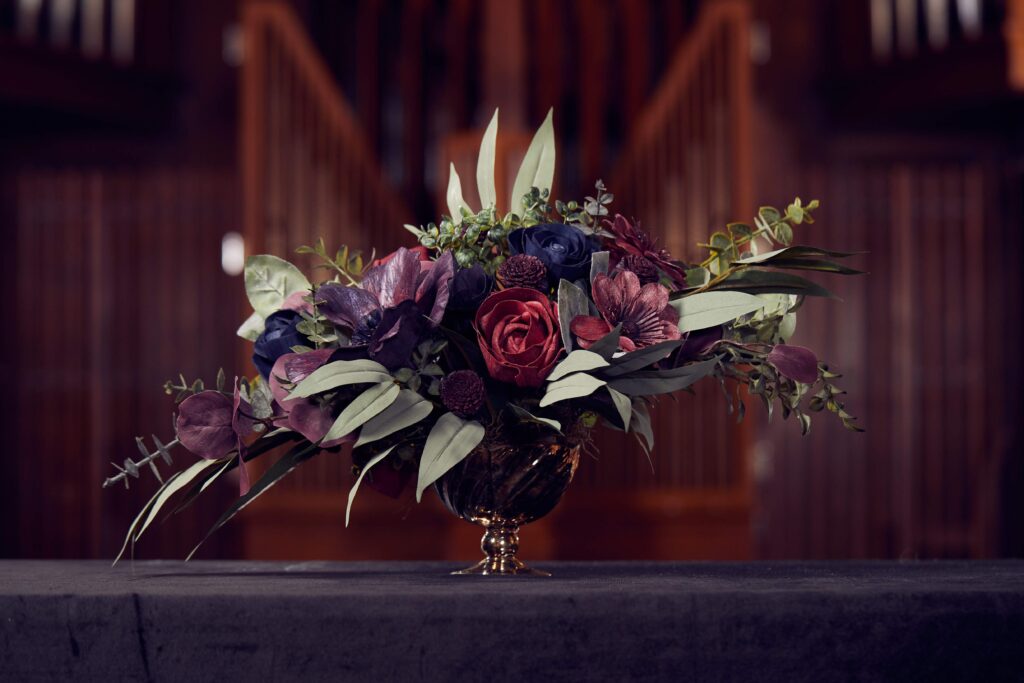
[{"x": 302, "y": 149}]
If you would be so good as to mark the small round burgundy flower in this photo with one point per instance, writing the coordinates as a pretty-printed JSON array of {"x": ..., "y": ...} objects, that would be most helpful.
[
  {"x": 641, "y": 266},
  {"x": 523, "y": 270},
  {"x": 463, "y": 393}
]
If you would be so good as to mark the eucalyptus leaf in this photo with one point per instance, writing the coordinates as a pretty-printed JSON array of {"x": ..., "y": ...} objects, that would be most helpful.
[
  {"x": 270, "y": 280},
  {"x": 359, "y": 480},
  {"x": 485, "y": 165},
  {"x": 579, "y": 360},
  {"x": 448, "y": 443},
  {"x": 252, "y": 328},
  {"x": 340, "y": 373},
  {"x": 708, "y": 309},
  {"x": 408, "y": 409},
  {"x": 454, "y": 196},
  {"x": 573, "y": 386},
  {"x": 642, "y": 358},
  {"x": 647, "y": 383},
  {"x": 363, "y": 407},
  {"x": 572, "y": 301},
  {"x": 623, "y": 404},
  {"x": 538, "y": 167},
  {"x": 599, "y": 264},
  {"x": 530, "y": 417},
  {"x": 288, "y": 462}
]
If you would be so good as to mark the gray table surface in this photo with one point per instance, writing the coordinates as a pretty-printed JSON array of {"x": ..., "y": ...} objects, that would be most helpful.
[{"x": 82, "y": 620}]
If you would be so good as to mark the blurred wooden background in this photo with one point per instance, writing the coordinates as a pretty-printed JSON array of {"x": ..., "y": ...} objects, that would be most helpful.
[{"x": 137, "y": 134}]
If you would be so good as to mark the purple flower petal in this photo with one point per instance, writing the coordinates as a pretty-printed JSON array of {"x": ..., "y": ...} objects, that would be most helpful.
[
  {"x": 432, "y": 293},
  {"x": 395, "y": 281},
  {"x": 346, "y": 306},
  {"x": 795, "y": 362}
]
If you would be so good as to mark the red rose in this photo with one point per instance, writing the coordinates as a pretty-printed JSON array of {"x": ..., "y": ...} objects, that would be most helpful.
[{"x": 517, "y": 329}]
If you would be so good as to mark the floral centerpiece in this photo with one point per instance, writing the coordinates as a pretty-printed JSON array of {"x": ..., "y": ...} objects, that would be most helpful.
[{"x": 477, "y": 362}]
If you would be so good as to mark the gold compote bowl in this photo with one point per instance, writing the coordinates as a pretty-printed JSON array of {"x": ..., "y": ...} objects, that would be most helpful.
[{"x": 502, "y": 485}]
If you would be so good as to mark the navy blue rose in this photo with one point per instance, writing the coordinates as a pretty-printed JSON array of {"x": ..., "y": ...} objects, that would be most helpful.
[
  {"x": 564, "y": 250},
  {"x": 278, "y": 338}
]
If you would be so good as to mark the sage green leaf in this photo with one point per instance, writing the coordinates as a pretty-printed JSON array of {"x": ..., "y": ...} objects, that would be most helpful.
[
  {"x": 530, "y": 417},
  {"x": 642, "y": 425},
  {"x": 408, "y": 409},
  {"x": 797, "y": 252},
  {"x": 579, "y": 360},
  {"x": 756, "y": 281},
  {"x": 131, "y": 536},
  {"x": 252, "y": 328},
  {"x": 642, "y": 358},
  {"x": 270, "y": 280},
  {"x": 538, "y": 167},
  {"x": 572, "y": 301},
  {"x": 787, "y": 327},
  {"x": 573, "y": 386},
  {"x": 598, "y": 264},
  {"x": 708, "y": 309},
  {"x": 359, "y": 480},
  {"x": 623, "y": 404},
  {"x": 338, "y": 374},
  {"x": 363, "y": 407},
  {"x": 448, "y": 443},
  {"x": 607, "y": 345},
  {"x": 485, "y": 165},
  {"x": 288, "y": 462},
  {"x": 181, "y": 481},
  {"x": 454, "y": 196},
  {"x": 648, "y": 383}
]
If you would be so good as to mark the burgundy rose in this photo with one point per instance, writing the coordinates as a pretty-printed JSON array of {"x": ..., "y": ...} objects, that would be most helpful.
[{"x": 517, "y": 329}]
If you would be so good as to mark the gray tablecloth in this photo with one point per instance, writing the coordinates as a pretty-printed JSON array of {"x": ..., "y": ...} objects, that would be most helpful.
[{"x": 260, "y": 621}]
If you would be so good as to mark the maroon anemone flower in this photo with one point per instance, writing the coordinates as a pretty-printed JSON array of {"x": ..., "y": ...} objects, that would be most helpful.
[
  {"x": 630, "y": 240},
  {"x": 644, "y": 313}
]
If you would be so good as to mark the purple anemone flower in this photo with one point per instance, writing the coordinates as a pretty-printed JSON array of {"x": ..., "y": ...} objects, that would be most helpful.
[
  {"x": 397, "y": 304},
  {"x": 643, "y": 312}
]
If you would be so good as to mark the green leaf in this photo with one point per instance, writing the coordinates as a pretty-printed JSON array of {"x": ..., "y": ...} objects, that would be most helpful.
[
  {"x": 485, "y": 165},
  {"x": 131, "y": 536},
  {"x": 623, "y": 404},
  {"x": 269, "y": 280},
  {"x": 572, "y": 301},
  {"x": 598, "y": 264},
  {"x": 288, "y": 462},
  {"x": 448, "y": 443},
  {"x": 252, "y": 328},
  {"x": 359, "y": 480},
  {"x": 408, "y": 409},
  {"x": 607, "y": 345},
  {"x": 798, "y": 252},
  {"x": 642, "y": 425},
  {"x": 577, "y": 361},
  {"x": 363, "y": 407},
  {"x": 340, "y": 373},
  {"x": 697, "y": 277},
  {"x": 573, "y": 386},
  {"x": 530, "y": 417},
  {"x": 454, "y": 196},
  {"x": 642, "y": 358},
  {"x": 757, "y": 281},
  {"x": 708, "y": 309},
  {"x": 181, "y": 481},
  {"x": 648, "y": 383},
  {"x": 538, "y": 167}
]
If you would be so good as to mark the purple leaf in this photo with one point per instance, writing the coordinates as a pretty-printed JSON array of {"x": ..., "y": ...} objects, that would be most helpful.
[
  {"x": 795, "y": 362},
  {"x": 433, "y": 292},
  {"x": 294, "y": 367},
  {"x": 346, "y": 306},
  {"x": 204, "y": 424}
]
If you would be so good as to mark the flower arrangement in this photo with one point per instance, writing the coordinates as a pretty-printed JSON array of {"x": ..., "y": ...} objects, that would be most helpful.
[{"x": 540, "y": 322}]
